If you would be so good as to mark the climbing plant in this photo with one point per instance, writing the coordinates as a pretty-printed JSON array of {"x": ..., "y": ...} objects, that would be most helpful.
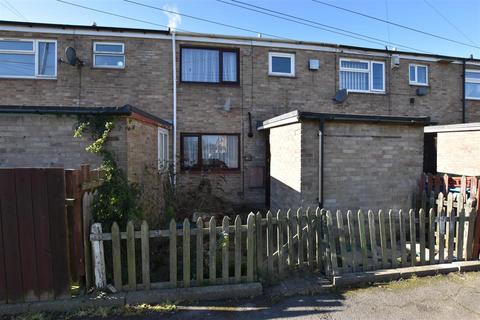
[{"x": 116, "y": 199}]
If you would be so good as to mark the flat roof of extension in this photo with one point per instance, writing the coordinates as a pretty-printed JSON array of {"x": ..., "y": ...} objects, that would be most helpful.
[
  {"x": 472, "y": 126},
  {"x": 126, "y": 110},
  {"x": 117, "y": 31},
  {"x": 297, "y": 116}
]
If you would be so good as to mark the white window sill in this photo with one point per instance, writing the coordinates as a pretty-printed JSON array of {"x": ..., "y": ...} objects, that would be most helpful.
[
  {"x": 366, "y": 92},
  {"x": 111, "y": 68},
  {"x": 285, "y": 75},
  {"x": 418, "y": 84},
  {"x": 28, "y": 78},
  {"x": 472, "y": 98}
]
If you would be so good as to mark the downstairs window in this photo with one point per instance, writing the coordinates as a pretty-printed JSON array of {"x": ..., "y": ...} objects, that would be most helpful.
[{"x": 210, "y": 151}]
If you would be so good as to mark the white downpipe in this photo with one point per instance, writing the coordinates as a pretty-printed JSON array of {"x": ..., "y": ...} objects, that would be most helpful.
[{"x": 174, "y": 68}]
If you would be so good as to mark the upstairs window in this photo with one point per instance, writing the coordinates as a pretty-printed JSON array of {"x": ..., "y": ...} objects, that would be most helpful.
[
  {"x": 28, "y": 58},
  {"x": 210, "y": 151},
  {"x": 418, "y": 75},
  {"x": 472, "y": 84},
  {"x": 162, "y": 140},
  {"x": 108, "y": 55},
  {"x": 281, "y": 64},
  {"x": 362, "y": 76},
  {"x": 209, "y": 65}
]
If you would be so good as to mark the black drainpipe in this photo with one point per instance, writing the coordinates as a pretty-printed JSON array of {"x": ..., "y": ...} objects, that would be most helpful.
[
  {"x": 463, "y": 90},
  {"x": 322, "y": 143}
]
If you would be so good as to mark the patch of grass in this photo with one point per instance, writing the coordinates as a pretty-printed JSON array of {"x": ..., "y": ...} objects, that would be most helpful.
[{"x": 146, "y": 308}]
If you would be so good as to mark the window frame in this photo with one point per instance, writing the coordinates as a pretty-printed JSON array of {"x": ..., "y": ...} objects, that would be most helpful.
[
  {"x": 272, "y": 54},
  {"x": 416, "y": 83},
  {"x": 471, "y": 80},
  {"x": 108, "y": 53},
  {"x": 220, "y": 50},
  {"x": 199, "y": 167},
  {"x": 34, "y": 51},
  {"x": 163, "y": 163},
  {"x": 369, "y": 70}
]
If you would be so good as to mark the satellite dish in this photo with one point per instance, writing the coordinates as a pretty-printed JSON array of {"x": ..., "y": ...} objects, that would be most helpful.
[
  {"x": 71, "y": 55},
  {"x": 341, "y": 95}
]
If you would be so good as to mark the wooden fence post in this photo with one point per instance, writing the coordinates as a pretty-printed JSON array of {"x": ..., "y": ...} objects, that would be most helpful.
[
  {"x": 403, "y": 236},
  {"x": 87, "y": 216},
  {"x": 199, "y": 255},
  {"x": 460, "y": 234},
  {"x": 332, "y": 243},
  {"x": 145, "y": 245},
  {"x": 132, "y": 272},
  {"x": 290, "y": 238},
  {"x": 186, "y": 253},
  {"x": 363, "y": 239},
  {"x": 269, "y": 238},
  {"x": 225, "y": 248},
  {"x": 472, "y": 213},
  {"x": 117, "y": 257},
  {"x": 431, "y": 235},
  {"x": 310, "y": 233},
  {"x": 383, "y": 238},
  {"x": 259, "y": 243},
  {"x": 413, "y": 241},
  {"x": 238, "y": 249},
  {"x": 393, "y": 237},
  {"x": 98, "y": 257},
  {"x": 319, "y": 240},
  {"x": 342, "y": 240},
  {"x": 300, "y": 238},
  {"x": 353, "y": 240},
  {"x": 173, "y": 254},
  {"x": 421, "y": 221},
  {"x": 212, "y": 252},
  {"x": 373, "y": 238},
  {"x": 250, "y": 247},
  {"x": 280, "y": 227}
]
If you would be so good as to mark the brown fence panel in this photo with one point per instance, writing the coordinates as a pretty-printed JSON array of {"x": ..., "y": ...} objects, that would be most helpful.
[
  {"x": 23, "y": 189},
  {"x": 58, "y": 232},
  {"x": 11, "y": 248},
  {"x": 73, "y": 181},
  {"x": 3, "y": 280},
  {"x": 42, "y": 234},
  {"x": 33, "y": 235}
]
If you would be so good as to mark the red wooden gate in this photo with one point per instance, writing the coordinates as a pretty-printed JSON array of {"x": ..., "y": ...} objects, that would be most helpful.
[{"x": 34, "y": 262}]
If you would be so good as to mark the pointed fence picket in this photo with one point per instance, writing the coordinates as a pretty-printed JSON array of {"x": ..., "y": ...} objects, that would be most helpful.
[{"x": 272, "y": 246}]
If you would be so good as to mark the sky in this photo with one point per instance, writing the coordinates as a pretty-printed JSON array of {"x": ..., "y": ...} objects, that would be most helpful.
[{"x": 457, "y": 20}]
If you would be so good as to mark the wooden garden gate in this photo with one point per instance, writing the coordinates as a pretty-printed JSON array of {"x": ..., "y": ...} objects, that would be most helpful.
[
  {"x": 34, "y": 261},
  {"x": 43, "y": 232}
]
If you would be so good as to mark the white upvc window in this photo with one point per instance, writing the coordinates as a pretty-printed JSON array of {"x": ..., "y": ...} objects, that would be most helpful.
[
  {"x": 362, "y": 76},
  {"x": 28, "y": 58},
  {"x": 418, "y": 74},
  {"x": 162, "y": 142},
  {"x": 110, "y": 55},
  {"x": 472, "y": 84},
  {"x": 281, "y": 64}
]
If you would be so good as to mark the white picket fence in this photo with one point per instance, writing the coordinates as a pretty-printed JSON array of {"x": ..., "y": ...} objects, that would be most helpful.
[{"x": 270, "y": 247}]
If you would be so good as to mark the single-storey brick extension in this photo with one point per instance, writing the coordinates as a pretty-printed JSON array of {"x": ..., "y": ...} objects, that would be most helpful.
[{"x": 209, "y": 105}]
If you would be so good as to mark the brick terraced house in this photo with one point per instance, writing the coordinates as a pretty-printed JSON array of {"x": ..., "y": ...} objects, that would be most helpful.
[{"x": 216, "y": 91}]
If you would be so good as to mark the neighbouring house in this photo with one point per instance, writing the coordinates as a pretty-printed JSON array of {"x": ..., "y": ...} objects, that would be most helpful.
[
  {"x": 455, "y": 148},
  {"x": 216, "y": 90},
  {"x": 343, "y": 161}
]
